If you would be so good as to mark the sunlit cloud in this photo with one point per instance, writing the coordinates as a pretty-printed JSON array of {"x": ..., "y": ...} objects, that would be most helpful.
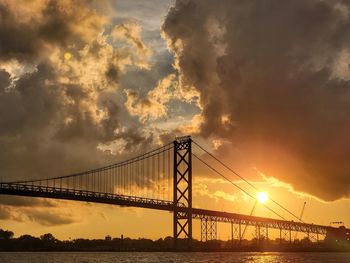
[{"x": 154, "y": 105}]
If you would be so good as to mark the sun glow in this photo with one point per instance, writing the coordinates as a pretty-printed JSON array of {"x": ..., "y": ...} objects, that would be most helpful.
[
  {"x": 262, "y": 197},
  {"x": 67, "y": 55}
]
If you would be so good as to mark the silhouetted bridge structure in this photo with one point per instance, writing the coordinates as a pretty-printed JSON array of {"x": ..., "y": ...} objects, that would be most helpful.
[{"x": 161, "y": 180}]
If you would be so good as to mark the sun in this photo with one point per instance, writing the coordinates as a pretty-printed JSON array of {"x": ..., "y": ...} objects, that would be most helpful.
[
  {"x": 262, "y": 197},
  {"x": 67, "y": 55}
]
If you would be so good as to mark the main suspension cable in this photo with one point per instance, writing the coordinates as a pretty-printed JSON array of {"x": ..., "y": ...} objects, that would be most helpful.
[{"x": 141, "y": 157}]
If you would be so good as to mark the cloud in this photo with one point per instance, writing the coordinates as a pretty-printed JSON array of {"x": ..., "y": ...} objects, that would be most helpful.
[
  {"x": 59, "y": 77},
  {"x": 19, "y": 201},
  {"x": 61, "y": 95},
  {"x": 28, "y": 29},
  {"x": 148, "y": 14},
  {"x": 44, "y": 216},
  {"x": 207, "y": 187},
  {"x": 4, "y": 80},
  {"x": 153, "y": 106},
  {"x": 131, "y": 32},
  {"x": 194, "y": 127},
  {"x": 273, "y": 79},
  {"x": 42, "y": 211},
  {"x": 4, "y": 213},
  {"x": 47, "y": 218}
]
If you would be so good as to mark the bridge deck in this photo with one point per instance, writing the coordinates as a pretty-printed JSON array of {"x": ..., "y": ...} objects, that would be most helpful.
[
  {"x": 133, "y": 201},
  {"x": 260, "y": 221},
  {"x": 85, "y": 196}
]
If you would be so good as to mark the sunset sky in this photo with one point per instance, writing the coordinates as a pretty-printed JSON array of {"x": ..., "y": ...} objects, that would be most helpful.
[{"x": 264, "y": 85}]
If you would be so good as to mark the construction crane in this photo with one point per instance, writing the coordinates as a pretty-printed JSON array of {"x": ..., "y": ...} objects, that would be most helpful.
[
  {"x": 300, "y": 217},
  {"x": 251, "y": 213}
]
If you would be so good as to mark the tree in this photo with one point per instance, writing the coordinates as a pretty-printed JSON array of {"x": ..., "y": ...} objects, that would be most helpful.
[
  {"x": 5, "y": 234},
  {"x": 48, "y": 237}
]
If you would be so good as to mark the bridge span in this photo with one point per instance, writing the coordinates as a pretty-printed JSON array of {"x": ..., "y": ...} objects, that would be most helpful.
[
  {"x": 209, "y": 216},
  {"x": 160, "y": 180}
]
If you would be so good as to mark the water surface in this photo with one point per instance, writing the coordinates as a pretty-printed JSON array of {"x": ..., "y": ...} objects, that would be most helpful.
[{"x": 102, "y": 257}]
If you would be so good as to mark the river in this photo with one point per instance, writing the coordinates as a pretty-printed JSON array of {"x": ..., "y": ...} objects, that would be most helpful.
[{"x": 132, "y": 257}]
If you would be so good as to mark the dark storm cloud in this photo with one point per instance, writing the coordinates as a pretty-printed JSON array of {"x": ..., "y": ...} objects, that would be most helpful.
[
  {"x": 14, "y": 41},
  {"x": 273, "y": 78},
  {"x": 4, "y": 80}
]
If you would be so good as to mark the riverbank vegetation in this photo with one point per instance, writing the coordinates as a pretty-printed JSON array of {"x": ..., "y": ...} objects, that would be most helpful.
[{"x": 47, "y": 242}]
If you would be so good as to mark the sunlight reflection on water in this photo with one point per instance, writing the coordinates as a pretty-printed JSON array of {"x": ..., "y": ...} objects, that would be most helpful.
[{"x": 67, "y": 257}]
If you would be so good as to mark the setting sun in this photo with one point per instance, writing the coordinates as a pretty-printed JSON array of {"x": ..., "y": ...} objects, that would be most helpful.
[
  {"x": 67, "y": 55},
  {"x": 262, "y": 197}
]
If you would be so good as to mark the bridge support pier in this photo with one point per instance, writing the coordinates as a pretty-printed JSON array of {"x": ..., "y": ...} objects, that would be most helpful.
[
  {"x": 285, "y": 234},
  {"x": 263, "y": 233},
  {"x": 236, "y": 233},
  {"x": 209, "y": 229},
  {"x": 182, "y": 218}
]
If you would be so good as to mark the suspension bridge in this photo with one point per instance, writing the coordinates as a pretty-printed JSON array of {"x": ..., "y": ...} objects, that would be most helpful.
[{"x": 162, "y": 180}]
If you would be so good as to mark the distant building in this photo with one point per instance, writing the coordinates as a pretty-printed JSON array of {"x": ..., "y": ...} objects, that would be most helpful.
[
  {"x": 340, "y": 235},
  {"x": 108, "y": 238}
]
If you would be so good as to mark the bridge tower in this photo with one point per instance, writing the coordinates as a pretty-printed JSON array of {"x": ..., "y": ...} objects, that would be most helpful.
[{"x": 182, "y": 221}]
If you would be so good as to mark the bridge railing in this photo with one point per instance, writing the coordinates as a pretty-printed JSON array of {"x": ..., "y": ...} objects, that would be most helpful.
[{"x": 66, "y": 193}]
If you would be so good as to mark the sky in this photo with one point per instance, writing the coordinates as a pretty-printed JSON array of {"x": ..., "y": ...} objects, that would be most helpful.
[{"x": 263, "y": 85}]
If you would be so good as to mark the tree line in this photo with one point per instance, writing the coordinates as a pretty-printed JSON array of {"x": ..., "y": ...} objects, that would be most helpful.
[{"x": 47, "y": 242}]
